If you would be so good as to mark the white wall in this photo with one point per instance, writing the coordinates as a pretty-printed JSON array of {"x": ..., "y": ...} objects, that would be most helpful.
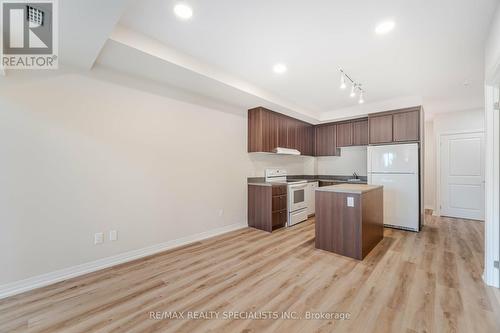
[
  {"x": 492, "y": 47},
  {"x": 87, "y": 153},
  {"x": 82, "y": 155},
  {"x": 448, "y": 122},
  {"x": 351, "y": 159},
  {"x": 430, "y": 167}
]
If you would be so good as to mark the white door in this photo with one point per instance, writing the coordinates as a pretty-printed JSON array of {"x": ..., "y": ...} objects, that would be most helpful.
[{"x": 462, "y": 175}]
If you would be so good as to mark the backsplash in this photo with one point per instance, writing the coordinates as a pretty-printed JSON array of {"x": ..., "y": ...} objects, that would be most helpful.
[
  {"x": 294, "y": 165},
  {"x": 351, "y": 159}
]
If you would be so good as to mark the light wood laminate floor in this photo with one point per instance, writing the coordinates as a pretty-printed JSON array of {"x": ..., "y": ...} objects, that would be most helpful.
[{"x": 411, "y": 282}]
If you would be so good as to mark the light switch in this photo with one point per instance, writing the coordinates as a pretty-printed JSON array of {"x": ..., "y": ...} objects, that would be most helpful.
[
  {"x": 350, "y": 202},
  {"x": 113, "y": 235},
  {"x": 98, "y": 238}
]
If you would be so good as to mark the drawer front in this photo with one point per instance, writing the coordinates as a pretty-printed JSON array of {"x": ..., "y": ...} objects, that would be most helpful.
[
  {"x": 279, "y": 218},
  {"x": 279, "y": 190},
  {"x": 279, "y": 203}
]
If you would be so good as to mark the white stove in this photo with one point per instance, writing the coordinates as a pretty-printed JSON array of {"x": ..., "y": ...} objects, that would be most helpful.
[{"x": 296, "y": 197}]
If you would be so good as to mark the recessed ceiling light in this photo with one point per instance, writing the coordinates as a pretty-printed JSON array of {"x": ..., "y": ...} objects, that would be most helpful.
[
  {"x": 384, "y": 27},
  {"x": 279, "y": 68},
  {"x": 183, "y": 11}
]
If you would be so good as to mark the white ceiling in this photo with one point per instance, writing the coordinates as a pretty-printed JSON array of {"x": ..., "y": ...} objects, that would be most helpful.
[
  {"x": 435, "y": 47},
  {"x": 227, "y": 50}
]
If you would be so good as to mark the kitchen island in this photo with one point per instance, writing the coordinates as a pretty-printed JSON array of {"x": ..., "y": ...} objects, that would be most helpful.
[{"x": 349, "y": 219}]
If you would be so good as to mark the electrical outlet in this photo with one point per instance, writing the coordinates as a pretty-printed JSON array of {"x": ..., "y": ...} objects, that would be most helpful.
[
  {"x": 113, "y": 235},
  {"x": 221, "y": 212},
  {"x": 98, "y": 238},
  {"x": 350, "y": 201}
]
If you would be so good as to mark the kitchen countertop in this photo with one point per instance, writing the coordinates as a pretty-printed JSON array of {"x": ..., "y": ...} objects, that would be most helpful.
[
  {"x": 260, "y": 181},
  {"x": 349, "y": 188}
]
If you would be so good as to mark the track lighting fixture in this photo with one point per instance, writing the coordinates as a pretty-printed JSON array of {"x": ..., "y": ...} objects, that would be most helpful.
[
  {"x": 342, "y": 81},
  {"x": 354, "y": 86}
]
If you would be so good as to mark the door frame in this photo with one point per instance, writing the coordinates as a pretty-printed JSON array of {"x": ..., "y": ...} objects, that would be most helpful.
[
  {"x": 491, "y": 274},
  {"x": 438, "y": 162}
]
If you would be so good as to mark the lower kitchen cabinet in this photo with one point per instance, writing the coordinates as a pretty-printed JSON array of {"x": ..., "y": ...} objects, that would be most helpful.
[{"x": 267, "y": 207}]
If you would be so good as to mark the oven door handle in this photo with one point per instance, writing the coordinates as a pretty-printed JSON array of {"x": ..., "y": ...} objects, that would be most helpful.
[{"x": 298, "y": 186}]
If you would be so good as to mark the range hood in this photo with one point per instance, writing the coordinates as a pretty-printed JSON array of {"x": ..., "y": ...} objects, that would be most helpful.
[{"x": 286, "y": 151}]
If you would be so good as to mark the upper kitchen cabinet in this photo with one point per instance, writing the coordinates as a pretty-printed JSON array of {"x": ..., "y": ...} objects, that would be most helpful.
[
  {"x": 268, "y": 130},
  {"x": 406, "y": 126},
  {"x": 395, "y": 126},
  {"x": 304, "y": 139},
  {"x": 292, "y": 127},
  {"x": 380, "y": 129},
  {"x": 344, "y": 134},
  {"x": 360, "y": 132},
  {"x": 262, "y": 130},
  {"x": 325, "y": 140}
]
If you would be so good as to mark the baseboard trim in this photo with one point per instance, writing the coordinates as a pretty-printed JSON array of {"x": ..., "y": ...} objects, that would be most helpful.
[{"x": 46, "y": 279}]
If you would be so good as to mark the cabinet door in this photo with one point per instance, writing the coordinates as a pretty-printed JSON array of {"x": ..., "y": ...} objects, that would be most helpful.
[
  {"x": 301, "y": 139},
  {"x": 406, "y": 126},
  {"x": 380, "y": 128},
  {"x": 279, "y": 219},
  {"x": 344, "y": 134},
  {"x": 292, "y": 128},
  {"x": 360, "y": 132},
  {"x": 282, "y": 131},
  {"x": 269, "y": 134},
  {"x": 304, "y": 139},
  {"x": 309, "y": 142},
  {"x": 279, "y": 203},
  {"x": 325, "y": 140}
]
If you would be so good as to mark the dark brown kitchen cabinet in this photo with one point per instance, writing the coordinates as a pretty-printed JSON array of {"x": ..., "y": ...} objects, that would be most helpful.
[
  {"x": 406, "y": 126},
  {"x": 262, "y": 130},
  {"x": 267, "y": 207},
  {"x": 360, "y": 132},
  {"x": 292, "y": 128},
  {"x": 282, "y": 129},
  {"x": 309, "y": 142},
  {"x": 325, "y": 140},
  {"x": 395, "y": 126},
  {"x": 268, "y": 130},
  {"x": 380, "y": 129},
  {"x": 344, "y": 134}
]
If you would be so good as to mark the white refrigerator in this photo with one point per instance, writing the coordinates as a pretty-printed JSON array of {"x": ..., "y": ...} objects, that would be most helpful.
[{"x": 396, "y": 167}]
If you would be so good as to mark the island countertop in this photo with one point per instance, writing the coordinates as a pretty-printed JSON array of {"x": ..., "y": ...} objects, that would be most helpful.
[{"x": 349, "y": 188}]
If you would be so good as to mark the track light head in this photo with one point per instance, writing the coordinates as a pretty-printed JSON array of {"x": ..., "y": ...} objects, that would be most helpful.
[
  {"x": 353, "y": 90},
  {"x": 361, "y": 97},
  {"x": 342, "y": 81}
]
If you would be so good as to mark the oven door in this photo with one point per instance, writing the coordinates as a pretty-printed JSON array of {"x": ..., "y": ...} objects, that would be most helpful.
[{"x": 297, "y": 197}]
